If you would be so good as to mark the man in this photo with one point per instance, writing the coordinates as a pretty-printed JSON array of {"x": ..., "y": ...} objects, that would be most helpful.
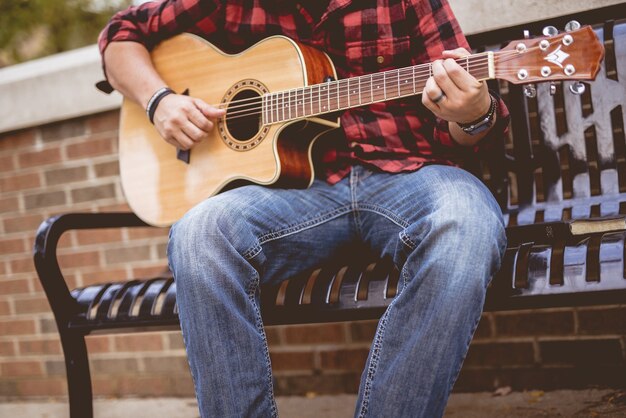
[{"x": 390, "y": 181}]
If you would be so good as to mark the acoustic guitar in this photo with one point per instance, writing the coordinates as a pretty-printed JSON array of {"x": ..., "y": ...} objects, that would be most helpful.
[{"x": 280, "y": 96}]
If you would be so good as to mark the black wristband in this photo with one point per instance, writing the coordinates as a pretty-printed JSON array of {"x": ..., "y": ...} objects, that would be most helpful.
[
  {"x": 154, "y": 101},
  {"x": 483, "y": 123}
]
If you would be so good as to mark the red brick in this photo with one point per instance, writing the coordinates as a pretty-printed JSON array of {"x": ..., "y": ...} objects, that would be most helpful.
[
  {"x": 79, "y": 259},
  {"x": 19, "y": 182},
  {"x": 14, "y": 286},
  {"x": 171, "y": 365},
  {"x": 23, "y": 265},
  {"x": 100, "y": 236},
  {"x": 144, "y": 386},
  {"x": 5, "y": 308},
  {"x": 16, "y": 140},
  {"x": 108, "y": 169},
  {"x": 17, "y": 327},
  {"x": 602, "y": 321},
  {"x": 7, "y": 163},
  {"x": 500, "y": 354},
  {"x": 149, "y": 272},
  {"x": 23, "y": 223},
  {"x": 40, "y": 158},
  {"x": 66, "y": 175},
  {"x": 22, "y": 368},
  {"x": 127, "y": 254},
  {"x": 12, "y": 246},
  {"x": 104, "y": 122},
  {"x": 314, "y": 334},
  {"x": 33, "y": 305},
  {"x": 98, "y": 343},
  {"x": 141, "y": 233},
  {"x": 300, "y": 360},
  {"x": 63, "y": 130},
  {"x": 534, "y": 323},
  {"x": 118, "y": 207},
  {"x": 91, "y": 194},
  {"x": 104, "y": 276},
  {"x": 40, "y": 347},
  {"x": 9, "y": 204},
  {"x": 90, "y": 148},
  {"x": 114, "y": 365},
  {"x": 142, "y": 342},
  {"x": 44, "y": 200},
  {"x": 345, "y": 359},
  {"x": 363, "y": 331},
  {"x": 582, "y": 352},
  {"x": 42, "y": 387},
  {"x": 7, "y": 348},
  {"x": 104, "y": 386}
]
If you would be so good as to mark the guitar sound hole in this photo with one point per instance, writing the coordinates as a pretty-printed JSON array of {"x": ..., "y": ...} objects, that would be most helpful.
[{"x": 243, "y": 115}]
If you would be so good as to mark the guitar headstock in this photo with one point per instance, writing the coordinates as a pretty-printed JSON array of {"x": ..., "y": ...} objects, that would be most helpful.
[{"x": 574, "y": 55}]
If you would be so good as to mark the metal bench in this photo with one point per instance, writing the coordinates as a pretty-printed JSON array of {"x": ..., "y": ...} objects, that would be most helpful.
[{"x": 560, "y": 180}]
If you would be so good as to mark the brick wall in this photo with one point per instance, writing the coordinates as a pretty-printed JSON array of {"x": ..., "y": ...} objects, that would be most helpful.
[{"x": 72, "y": 166}]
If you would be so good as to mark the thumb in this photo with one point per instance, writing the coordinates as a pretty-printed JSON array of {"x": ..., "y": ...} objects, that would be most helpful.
[
  {"x": 208, "y": 110},
  {"x": 455, "y": 53}
]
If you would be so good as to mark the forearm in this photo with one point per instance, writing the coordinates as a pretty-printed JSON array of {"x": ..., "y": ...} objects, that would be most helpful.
[{"x": 130, "y": 71}]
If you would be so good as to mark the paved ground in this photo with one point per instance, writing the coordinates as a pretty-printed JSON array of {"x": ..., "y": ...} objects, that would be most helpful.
[{"x": 564, "y": 403}]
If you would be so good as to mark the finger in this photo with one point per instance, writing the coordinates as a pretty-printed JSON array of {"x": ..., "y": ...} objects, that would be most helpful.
[
  {"x": 198, "y": 119},
  {"x": 431, "y": 91},
  {"x": 461, "y": 78},
  {"x": 183, "y": 141},
  {"x": 456, "y": 53},
  {"x": 441, "y": 77},
  {"x": 193, "y": 132},
  {"x": 208, "y": 110}
]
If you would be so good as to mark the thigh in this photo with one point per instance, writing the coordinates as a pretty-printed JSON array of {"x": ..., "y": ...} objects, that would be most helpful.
[
  {"x": 280, "y": 231},
  {"x": 397, "y": 210}
]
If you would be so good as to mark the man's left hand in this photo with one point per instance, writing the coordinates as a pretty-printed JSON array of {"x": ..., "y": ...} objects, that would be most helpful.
[{"x": 452, "y": 93}]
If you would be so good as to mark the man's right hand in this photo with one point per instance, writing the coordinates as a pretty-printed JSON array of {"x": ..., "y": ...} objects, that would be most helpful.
[{"x": 184, "y": 121}]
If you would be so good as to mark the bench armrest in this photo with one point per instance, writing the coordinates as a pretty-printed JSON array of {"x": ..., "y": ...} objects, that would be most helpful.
[{"x": 45, "y": 253}]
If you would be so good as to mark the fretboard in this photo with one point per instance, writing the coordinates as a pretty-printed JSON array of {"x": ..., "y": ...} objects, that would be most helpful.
[{"x": 353, "y": 92}]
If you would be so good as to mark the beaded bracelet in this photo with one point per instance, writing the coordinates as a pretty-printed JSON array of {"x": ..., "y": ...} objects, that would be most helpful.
[{"x": 154, "y": 101}]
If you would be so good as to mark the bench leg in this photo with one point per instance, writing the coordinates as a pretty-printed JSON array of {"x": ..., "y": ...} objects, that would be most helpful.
[{"x": 78, "y": 376}]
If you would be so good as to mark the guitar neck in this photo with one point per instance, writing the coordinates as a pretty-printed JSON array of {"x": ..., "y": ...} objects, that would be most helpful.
[{"x": 332, "y": 96}]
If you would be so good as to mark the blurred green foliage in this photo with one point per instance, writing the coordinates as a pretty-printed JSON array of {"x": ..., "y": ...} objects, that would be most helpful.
[{"x": 35, "y": 28}]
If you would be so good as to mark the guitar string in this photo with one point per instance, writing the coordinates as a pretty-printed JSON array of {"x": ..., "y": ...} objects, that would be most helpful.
[
  {"x": 500, "y": 56},
  {"x": 338, "y": 91},
  {"x": 334, "y": 90},
  {"x": 324, "y": 91},
  {"x": 425, "y": 69}
]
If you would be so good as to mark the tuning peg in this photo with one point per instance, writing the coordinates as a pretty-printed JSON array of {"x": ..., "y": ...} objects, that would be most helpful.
[
  {"x": 571, "y": 26},
  {"x": 550, "y": 31},
  {"x": 530, "y": 91},
  {"x": 577, "y": 88},
  {"x": 553, "y": 88},
  {"x": 526, "y": 34}
]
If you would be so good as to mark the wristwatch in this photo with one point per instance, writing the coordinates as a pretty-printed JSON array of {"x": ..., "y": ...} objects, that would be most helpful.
[{"x": 482, "y": 123}]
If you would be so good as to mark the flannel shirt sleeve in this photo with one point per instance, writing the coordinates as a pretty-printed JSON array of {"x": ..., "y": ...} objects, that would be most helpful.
[
  {"x": 153, "y": 22},
  {"x": 435, "y": 30}
]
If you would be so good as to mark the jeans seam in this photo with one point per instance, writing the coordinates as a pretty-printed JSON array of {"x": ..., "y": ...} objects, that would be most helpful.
[
  {"x": 354, "y": 180},
  {"x": 251, "y": 291},
  {"x": 273, "y": 235},
  {"x": 376, "y": 349}
]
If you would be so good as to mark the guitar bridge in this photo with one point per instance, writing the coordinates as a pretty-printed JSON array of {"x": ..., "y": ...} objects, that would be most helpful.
[{"x": 183, "y": 155}]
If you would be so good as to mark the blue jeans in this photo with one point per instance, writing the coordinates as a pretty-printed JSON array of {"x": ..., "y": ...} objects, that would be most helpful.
[{"x": 440, "y": 225}]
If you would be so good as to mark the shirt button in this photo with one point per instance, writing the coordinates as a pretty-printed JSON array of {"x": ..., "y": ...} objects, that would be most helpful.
[{"x": 380, "y": 59}]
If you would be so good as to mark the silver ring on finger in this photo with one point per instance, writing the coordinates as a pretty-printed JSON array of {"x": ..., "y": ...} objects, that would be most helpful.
[{"x": 439, "y": 98}]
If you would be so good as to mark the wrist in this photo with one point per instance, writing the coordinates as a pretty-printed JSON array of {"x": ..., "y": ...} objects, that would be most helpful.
[
  {"x": 482, "y": 123},
  {"x": 154, "y": 101}
]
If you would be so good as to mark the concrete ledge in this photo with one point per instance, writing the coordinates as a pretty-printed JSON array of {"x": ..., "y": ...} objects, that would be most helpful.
[{"x": 62, "y": 86}]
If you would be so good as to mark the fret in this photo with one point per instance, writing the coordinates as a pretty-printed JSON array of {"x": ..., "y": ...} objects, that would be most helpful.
[
  {"x": 311, "y": 100},
  {"x": 371, "y": 88},
  {"x": 303, "y": 101},
  {"x": 467, "y": 63},
  {"x": 265, "y": 119},
  {"x": 414, "y": 89},
  {"x": 337, "y": 95},
  {"x": 289, "y": 104},
  {"x": 274, "y": 107},
  {"x": 398, "y": 75},
  {"x": 349, "y": 92},
  {"x": 359, "y": 83},
  {"x": 385, "y": 85}
]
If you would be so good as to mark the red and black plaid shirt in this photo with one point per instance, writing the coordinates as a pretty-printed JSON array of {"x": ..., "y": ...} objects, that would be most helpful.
[{"x": 361, "y": 37}]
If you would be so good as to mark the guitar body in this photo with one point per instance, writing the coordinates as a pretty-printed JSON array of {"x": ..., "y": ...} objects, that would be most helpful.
[{"x": 160, "y": 187}]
